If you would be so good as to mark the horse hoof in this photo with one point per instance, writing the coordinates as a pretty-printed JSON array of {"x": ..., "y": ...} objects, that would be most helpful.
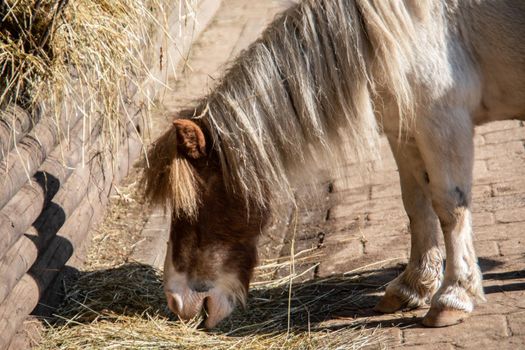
[
  {"x": 389, "y": 303},
  {"x": 444, "y": 317}
]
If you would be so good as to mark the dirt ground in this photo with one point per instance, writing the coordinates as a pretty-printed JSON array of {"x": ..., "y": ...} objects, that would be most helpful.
[{"x": 359, "y": 223}]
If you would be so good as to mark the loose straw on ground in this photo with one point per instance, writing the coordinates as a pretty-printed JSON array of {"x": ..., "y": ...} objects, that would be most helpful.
[
  {"x": 124, "y": 308},
  {"x": 115, "y": 304}
]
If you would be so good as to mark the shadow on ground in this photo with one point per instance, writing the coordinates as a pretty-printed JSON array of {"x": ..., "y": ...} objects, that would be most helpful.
[{"x": 320, "y": 304}]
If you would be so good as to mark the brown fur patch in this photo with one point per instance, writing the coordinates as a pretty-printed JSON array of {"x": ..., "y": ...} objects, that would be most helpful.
[
  {"x": 190, "y": 138},
  {"x": 169, "y": 179},
  {"x": 222, "y": 238}
]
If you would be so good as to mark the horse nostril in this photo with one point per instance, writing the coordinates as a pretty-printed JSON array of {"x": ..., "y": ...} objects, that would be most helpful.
[
  {"x": 178, "y": 302},
  {"x": 175, "y": 302},
  {"x": 201, "y": 286}
]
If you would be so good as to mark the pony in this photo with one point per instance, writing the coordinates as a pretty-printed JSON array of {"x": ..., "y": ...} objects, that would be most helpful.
[{"x": 424, "y": 73}]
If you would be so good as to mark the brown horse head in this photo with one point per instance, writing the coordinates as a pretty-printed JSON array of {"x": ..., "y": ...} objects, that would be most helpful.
[{"x": 212, "y": 246}]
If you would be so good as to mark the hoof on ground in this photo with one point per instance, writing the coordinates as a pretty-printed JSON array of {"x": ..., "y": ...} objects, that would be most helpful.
[
  {"x": 389, "y": 303},
  {"x": 444, "y": 317}
]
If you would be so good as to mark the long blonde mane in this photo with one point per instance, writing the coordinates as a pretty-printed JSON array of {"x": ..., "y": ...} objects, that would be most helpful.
[
  {"x": 309, "y": 81},
  {"x": 169, "y": 179}
]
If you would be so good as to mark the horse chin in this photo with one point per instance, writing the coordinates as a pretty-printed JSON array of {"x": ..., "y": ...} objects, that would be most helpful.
[
  {"x": 217, "y": 309},
  {"x": 221, "y": 302},
  {"x": 185, "y": 305}
]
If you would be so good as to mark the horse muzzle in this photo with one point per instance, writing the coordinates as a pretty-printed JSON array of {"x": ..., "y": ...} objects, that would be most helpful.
[
  {"x": 185, "y": 305},
  {"x": 190, "y": 304}
]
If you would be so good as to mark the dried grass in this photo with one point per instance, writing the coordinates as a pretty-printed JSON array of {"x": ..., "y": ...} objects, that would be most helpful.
[
  {"x": 82, "y": 56},
  {"x": 124, "y": 308},
  {"x": 116, "y": 304}
]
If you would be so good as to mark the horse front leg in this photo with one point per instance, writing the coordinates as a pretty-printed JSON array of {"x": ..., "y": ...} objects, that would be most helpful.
[
  {"x": 447, "y": 148},
  {"x": 420, "y": 280}
]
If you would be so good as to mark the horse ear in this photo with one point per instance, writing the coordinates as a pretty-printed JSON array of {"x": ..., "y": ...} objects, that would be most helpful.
[{"x": 190, "y": 138}]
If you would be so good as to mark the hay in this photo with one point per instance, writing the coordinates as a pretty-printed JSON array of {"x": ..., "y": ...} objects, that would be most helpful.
[
  {"x": 124, "y": 308},
  {"x": 79, "y": 56},
  {"x": 115, "y": 304}
]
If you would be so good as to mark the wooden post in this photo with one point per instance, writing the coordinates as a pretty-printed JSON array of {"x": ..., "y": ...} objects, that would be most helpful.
[
  {"x": 15, "y": 123},
  {"x": 27, "y": 204},
  {"x": 24, "y": 296}
]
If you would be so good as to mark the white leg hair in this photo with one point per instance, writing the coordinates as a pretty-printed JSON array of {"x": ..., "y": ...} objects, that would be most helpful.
[
  {"x": 422, "y": 276},
  {"x": 446, "y": 145}
]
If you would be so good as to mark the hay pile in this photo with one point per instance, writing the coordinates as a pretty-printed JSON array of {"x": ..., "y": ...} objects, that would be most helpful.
[
  {"x": 82, "y": 56},
  {"x": 117, "y": 304},
  {"x": 123, "y": 307}
]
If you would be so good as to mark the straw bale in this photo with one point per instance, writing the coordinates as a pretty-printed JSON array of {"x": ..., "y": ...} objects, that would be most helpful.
[{"x": 76, "y": 57}]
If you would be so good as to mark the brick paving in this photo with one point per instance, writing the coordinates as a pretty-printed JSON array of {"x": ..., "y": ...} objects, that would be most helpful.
[{"x": 358, "y": 219}]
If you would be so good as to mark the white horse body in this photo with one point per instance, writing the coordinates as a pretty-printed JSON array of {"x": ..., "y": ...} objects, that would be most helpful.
[
  {"x": 425, "y": 71},
  {"x": 497, "y": 32},
  {"x": 471, "y": 72}
]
